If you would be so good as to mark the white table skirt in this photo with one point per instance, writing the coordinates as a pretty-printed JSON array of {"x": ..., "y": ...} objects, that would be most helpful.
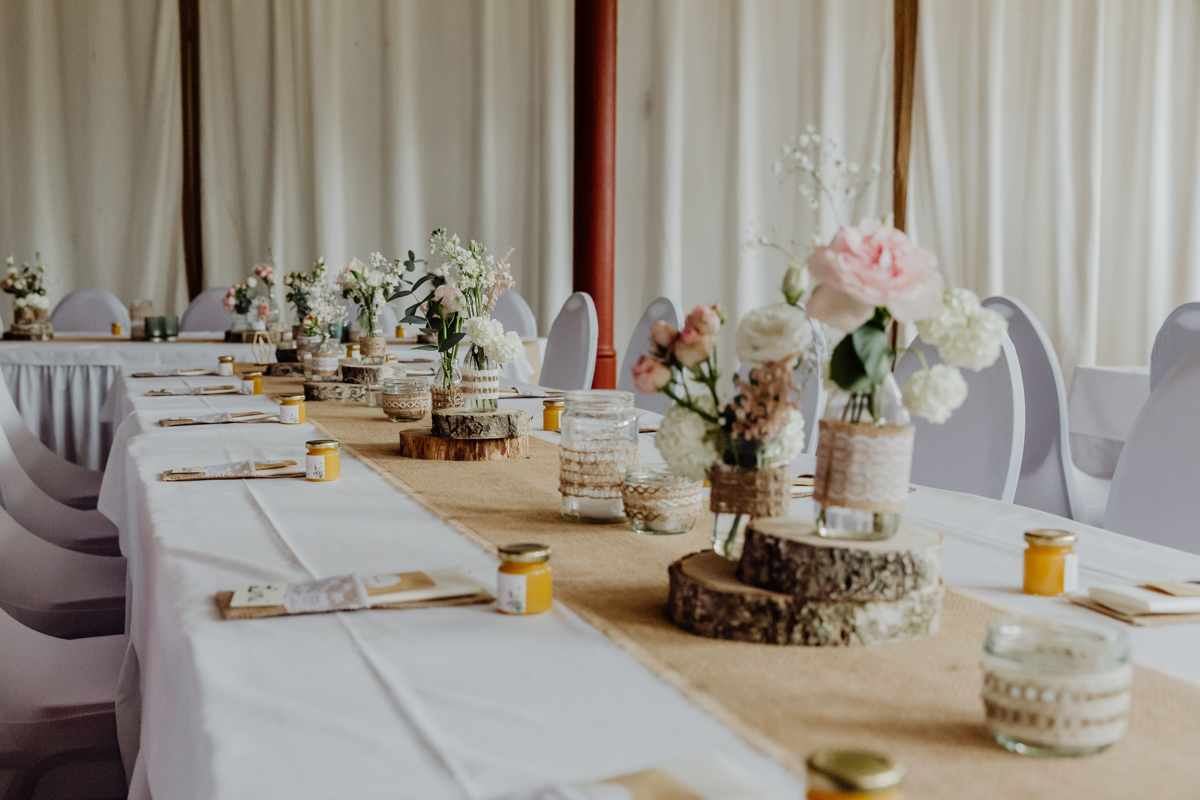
[{"x": 1103, "y": 405}]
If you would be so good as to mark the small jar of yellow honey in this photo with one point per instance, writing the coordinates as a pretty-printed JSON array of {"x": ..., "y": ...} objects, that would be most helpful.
[
  {"x": 251, "y": 383},
  {"x": 352, "y": 351},
  {"x": 524, "y": 584},
  {"x": 225, "y": 366},
  {"x": 116, "y": 329},
  {"x": 551, "y": 413},
  {"x": 291, "y": 409},
  {"x": 1051, "y": 566},
  {"x": 323, "y": 462},
  {"x": 853, "y": 775},
  {"x": 399, "y": 331}
]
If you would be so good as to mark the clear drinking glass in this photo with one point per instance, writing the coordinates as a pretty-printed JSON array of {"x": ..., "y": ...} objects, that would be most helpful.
[{"x": 599, "y": 442}]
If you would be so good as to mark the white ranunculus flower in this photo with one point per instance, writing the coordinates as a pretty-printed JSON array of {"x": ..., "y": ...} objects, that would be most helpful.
[
  {"x": 773, "y": 333},
  {"x": 252, "y": 281},
  {"x": 789, "y": 443},
  {"x": 375, "y": 280},
  {"x": 687, "y": 442},
  {"x": 935, "y": 393}
]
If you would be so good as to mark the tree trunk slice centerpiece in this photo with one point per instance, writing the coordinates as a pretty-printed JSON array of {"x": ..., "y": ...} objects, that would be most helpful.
[
  {"x": 459, "y": 423},
  {"x": 285, "y": 369},
  {"x": 422, "y": 443},
  {"x": 366, "y": 374},
  {"x": 785, "y": 554},
  {"x": 337, "y": 392},
  {"x": 707, "y": 599}
]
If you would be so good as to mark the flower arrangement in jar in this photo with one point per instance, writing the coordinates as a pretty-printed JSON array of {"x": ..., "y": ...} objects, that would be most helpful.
[
  {"x": 372, "y": 286},
  {"x": 239, "y": 300},
  {"x": 298, "y": 285},
  {"x": 744, "y": 445},
  {"x": 326, "y": 312},
  {"x": 27, "y": 285}
]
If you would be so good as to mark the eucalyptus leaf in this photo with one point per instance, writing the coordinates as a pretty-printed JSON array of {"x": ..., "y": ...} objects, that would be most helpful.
[{"x": 412, "y": 319}]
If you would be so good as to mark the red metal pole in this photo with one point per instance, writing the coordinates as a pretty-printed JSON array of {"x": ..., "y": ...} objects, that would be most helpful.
[{"x": 595, "y": 169}]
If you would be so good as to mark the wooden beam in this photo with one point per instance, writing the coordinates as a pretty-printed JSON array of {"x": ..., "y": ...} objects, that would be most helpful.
[
  {"x": 905, "y": 17},
  {"x": 189, "y": 49},
  {"x": 595, "y": 169}
]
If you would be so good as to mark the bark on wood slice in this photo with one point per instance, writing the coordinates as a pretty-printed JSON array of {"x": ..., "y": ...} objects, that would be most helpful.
[
  {"x": 337, "y": 392},
  {"x": 707, "y": 599},
  {"x": 285, "y": 370},
  {"x": 365, "y": 373},
  {"x": 785, "y": 554},
  {"x": 421, "y": 443},
  {"x": 287, "y": 355},
  {"x": 459, "y": 423}
]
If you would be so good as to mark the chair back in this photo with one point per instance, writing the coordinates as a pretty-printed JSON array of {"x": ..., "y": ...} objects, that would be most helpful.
[
  {"x": 515, "y": 314},
  {"x": 663, "y": 309},
  {"x": 978, "y": 450},
  {"x": 61, "y": 479},
  {"x": 206, "y": 313},
  {"x": 1153, "y": 495},
  {"x": 89, "y": 311},
  {"x": 1047, "y": 480},
  {"x": 1179, "y": 333},
  {"x": 570, "y": 361}
]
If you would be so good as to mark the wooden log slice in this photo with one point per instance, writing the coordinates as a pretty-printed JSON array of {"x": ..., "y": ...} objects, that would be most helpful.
[
  {"x": 287, "y": 355},
  {"x": 421, "y": 443},
  {"x": 459, "y": 423},
  {"x": 365, "y": 374},
  {"x": 785, "y": 554},
  {"x": 707, "y": 599},
  {"x": 337, "y": 392},
  {"x": 285, "y": 370}
]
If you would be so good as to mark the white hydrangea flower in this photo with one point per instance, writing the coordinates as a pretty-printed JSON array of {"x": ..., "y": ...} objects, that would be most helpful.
[
  {"x": 789, "y": 443},
  {"x": 965, "y": 333},
  {"x": 687, "y": 442},
  {"x": 483, "y": 331},
  {"x": 507, "y": 349},
  {"x": 957, "y": 307},
  {"x": 935, "y": 393}
]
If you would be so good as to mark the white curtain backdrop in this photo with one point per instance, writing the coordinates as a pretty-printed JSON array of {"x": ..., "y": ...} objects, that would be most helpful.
[
  {"x": 1056, "y": 157},
  {"x": 90, "y": 158}
]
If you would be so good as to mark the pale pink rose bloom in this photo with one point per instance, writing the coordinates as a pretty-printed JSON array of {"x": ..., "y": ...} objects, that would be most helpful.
[
  {"x": 650, "y": 375},
  {"x": 873, "y": 265},
  {"x": 692, "y": 347},
  {"x": 663, "y": 335},
  {"x": 704, "y": 319}
]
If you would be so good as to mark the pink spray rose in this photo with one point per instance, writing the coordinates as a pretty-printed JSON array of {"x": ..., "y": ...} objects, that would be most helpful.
[
  {"x": 650, "y": 375},
  {"x": 662, "y": 335},
  {"x": 873, "y": 265},
  {"x": 704, "y": 319},
  {"x": 692, "y": 347}
]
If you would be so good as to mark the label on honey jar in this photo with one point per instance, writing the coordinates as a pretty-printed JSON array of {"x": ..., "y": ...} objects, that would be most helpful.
[
  {"x": 248, "y": 386},
  {"x": 314, "y": 467},
  {"x": 510, "y": 593},
  {"x": 1070, "y": 573},
  {"x": 290, "y": 415}
]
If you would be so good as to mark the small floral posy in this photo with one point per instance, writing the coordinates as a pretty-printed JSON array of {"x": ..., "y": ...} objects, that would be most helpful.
[
  {"x": 300, "y": 284},
  {"x": 27, "y": 285}
]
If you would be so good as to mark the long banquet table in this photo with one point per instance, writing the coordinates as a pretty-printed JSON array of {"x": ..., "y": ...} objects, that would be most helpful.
[{"x": 450, "y": 702}]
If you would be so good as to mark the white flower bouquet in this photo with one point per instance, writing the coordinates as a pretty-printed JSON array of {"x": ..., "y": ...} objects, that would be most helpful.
[
  {"x": 27, "y": 285},
  {"x": 372, "y": 286},
  {"x": 298, "y": 286}
]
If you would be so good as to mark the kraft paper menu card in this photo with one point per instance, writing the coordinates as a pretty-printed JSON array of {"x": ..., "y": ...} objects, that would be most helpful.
[
  {"x": 237, "y": 470},
  {"x": 354, "y": 592},
  {"x": 220, "y": 419},
  {"x": 194, "y": 391},
  {"x": 175, "y": 373},
  {"x": 1160, "y": 603}
]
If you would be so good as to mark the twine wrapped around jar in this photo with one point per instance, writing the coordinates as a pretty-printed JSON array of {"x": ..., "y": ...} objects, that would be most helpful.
[
  {"x": 372, "y": 346},
  {"x": 863, "y": 466},
  {"x": 598, "y": 472},
  {"x": 765, "y": 492},
  {"x": 445, "y": 398}
]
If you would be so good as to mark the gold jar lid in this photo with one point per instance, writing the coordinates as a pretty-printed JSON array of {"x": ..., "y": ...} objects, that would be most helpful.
[
  {"x": 225, "y": 359},
  {"x": 323, "y": 444},
  {"x": 1049, "y": 537},
  {"x": 525, "y": 553},
  {"x": 852, "y": 771},
  {"x": 554, "y": 402},
  {"x": 292, "y": 398},
  {"x": 251, "y": 374}
]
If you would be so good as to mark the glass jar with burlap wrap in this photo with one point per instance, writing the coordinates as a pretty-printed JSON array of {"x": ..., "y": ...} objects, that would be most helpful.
[
  {"x": 480, "y": 383},
  {"x": 446, "y": 389},
  {"x": 657, "y": 501},
  {"x": 738, "y": 496},
  {"x": 405, "y": 399},
  {"x": 599, "y": 442}
]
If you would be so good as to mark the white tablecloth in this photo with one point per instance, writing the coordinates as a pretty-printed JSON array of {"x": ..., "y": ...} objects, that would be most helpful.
[
  {"x": 1103, "y": 404},
  {"x": 439, "y": 703}
]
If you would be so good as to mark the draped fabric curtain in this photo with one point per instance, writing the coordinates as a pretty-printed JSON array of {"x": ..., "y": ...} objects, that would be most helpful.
[
  {"x": 1056, "y": 157},
  {"x": 90, "y": 159}
]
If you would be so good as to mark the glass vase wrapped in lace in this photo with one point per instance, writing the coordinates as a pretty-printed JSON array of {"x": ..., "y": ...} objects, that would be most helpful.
[
  {"x": 325, "y": 360},
  {"x": 657, "y": 501},
  {"x": 599, "y": 442},
  {"x": 480, "y": 381}
]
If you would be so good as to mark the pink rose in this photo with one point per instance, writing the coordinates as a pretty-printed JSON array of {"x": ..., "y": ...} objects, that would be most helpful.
[
  {"x": 692, "y": 347},
  {"x": 650, "y": 375},
  {"x": 662, "y": 335},
  {"x": 873, "y": 265},
  {"x": 704, "y": 319}
]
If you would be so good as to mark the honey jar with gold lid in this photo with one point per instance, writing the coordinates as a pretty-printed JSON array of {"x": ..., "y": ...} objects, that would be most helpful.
[
  {"x": 524, "y": 582},
  {"x": 1051, "y": 565},
  {"x": 291, "y": 409},
  {"x": 323, "y": 461},
  {"x": 251, "y": 383}
]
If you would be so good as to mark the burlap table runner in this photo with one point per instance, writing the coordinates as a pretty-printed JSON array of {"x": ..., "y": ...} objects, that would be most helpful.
[{"x": 916, "y": 701}]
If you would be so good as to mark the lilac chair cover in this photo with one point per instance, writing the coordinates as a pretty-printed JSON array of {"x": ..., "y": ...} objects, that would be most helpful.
[
  {"x": 978, "y": 450},
  {"x": 63, "y": 480},
  {"x": 1177, "y": 336},
  {"x": 57, "y": 700},
  {"x": 1154, "y": 493},
  {"x": 663, "y": 309},
  {"x": 516, "y": 315},
  {"x": 571, "y": 349},
  {"x": 1048, "y": 480},
  {"x": 89, "y": 311},
  {"x": 206, "y": 313}
]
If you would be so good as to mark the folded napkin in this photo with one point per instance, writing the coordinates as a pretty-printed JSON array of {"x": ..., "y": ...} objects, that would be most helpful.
[
  {"x": 354, "y": 592},
  {"x": 705, "y": 776},
  {"x": 236, "y": 470},
  {"x": 517, "y": 389},
  {"x": 194, "y": 391},
  {"x": 1162, "y": 603},
  {"x": 175, "y": 373},
  {"x": 219, "y": 419}
]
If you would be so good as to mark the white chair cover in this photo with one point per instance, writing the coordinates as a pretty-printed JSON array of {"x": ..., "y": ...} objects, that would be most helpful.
[
  {"x": 663, "y": 309},
  {"x": 1154, "y": 489},
  {"x": 89, "y": 311},
  {"x": 63, "y": 480},
  {"x": 571, "y": 349},
  {"x": 58, "y": 696},
  {"x": 978, "y": 450},
  {"x": 206, "y": 313},
  {"x": 1047, "y": 480},
  {"x": 38, "y": 512},
  {"x": 516, "y": 315},
  {"x": 1177, "y": 336}
]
